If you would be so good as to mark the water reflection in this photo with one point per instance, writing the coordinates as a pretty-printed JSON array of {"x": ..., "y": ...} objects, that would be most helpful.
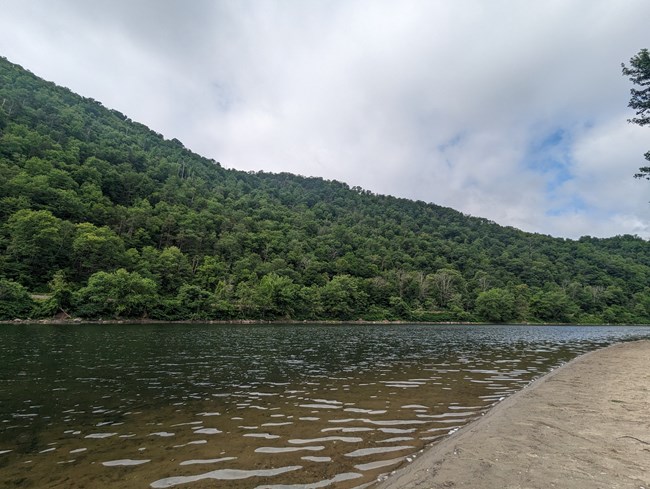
[{"x": 267, "y": 406}]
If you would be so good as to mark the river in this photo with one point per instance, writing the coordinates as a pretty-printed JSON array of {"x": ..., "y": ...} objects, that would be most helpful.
[{"x": 255, "y": 406}]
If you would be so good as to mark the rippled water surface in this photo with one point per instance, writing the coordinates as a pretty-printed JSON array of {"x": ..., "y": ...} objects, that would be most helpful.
[{"x": 197, "y": 406}]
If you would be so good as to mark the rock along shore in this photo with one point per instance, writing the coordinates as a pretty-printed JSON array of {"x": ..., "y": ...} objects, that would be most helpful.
[{"x": 584, "y": 425}]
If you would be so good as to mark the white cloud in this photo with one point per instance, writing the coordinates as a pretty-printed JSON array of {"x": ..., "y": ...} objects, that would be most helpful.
[{"x": 434, "y": 100}]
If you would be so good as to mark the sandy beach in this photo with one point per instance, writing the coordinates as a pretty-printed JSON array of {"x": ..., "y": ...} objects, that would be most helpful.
[{"x": 584, "y": 425}]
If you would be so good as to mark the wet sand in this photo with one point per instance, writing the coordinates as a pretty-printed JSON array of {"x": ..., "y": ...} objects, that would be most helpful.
[{"x": 584, "y": 425}]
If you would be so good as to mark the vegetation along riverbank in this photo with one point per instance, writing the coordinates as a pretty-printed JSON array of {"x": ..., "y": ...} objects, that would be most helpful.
[{"x": 100, "y": 217}]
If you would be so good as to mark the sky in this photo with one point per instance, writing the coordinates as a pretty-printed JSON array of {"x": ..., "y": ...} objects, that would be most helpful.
[{"x": 511, "y": 110}]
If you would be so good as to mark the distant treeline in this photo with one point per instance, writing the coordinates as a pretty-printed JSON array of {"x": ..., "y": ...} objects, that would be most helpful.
[{"x": 101, "y": 217}]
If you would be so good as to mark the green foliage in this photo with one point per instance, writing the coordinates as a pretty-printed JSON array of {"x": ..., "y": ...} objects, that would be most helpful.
[
  {"x": 447, "y": 284},
  {"x": 343, "y": 298},
  {"x": 96, "y": 248},
  {"x": 639, "y": 74},
  {"x": 38, "y": 244},
  {"x": 116, "y": 294},
  {"x": 15, "y": 301},
  {"x": 496, "y": 305},
  {"x": 553, "y": 306},
  {"x": 61, "y": 292},
  {"x": 194, "y": 302},
  {"x": 275, "y": 296},
  {"x": 115, "y": 221},
  {"x": 171, "y": 268}
]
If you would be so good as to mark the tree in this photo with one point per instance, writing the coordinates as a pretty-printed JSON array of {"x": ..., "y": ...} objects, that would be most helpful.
[
  {"x": 61, "y": 295},
  {"x": 342, "y": 298},
  {"x": 496, "y": 305},
  {"x": 446, "y": 283},
  {"x": 639, "y": 74},
  {"x": 96, "y": 248},
  {"x": 193, "y": 302},
  {"x": 172, "y": 268},
  {"x": 117, "y": 294},
  {"x": 210, "y": 272},
  {"x": 553, "y": 306},
  {"x": 15, "y": 301},
  {"x": 38, "y": 245},
  {"x": 275, "y": 295}
]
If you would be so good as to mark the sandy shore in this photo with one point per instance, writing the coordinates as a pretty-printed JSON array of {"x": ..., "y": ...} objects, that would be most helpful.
[{"x": 584, "y": 425}]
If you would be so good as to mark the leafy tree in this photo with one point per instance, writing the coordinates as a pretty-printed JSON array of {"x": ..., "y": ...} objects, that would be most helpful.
[
  {"x": 446, "y": 283},
  {"x": 639, "y": 74},
  {"x": 96, "y": 248},
  {"x": 496, "y": 305},
  {"x": 618, "y": 315},
  {"x": 245, "y": 306},
  {"x": 642, "y": 307},
  {"x": 210, "y": 273},
  {"x": 172, "y": 268},
  {"x": 553, "y": 306},
  {"x": 223, "y": 301},
  {"x": 521, "y": 294},
  {"x": 38, "y": 245},
  {"x": 61, "y": 299},
  {"x": 399, "y": 308},
  {"x": 116, "y": 294},
  {"x": 15, "y": 301},
  {"x": 275, "y": 296},
  {"x": 194, "y": 302},
  {"x": 343, "y": 298}
]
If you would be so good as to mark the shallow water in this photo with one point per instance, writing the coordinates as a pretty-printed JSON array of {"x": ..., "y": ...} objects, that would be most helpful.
[{"x": 197, "y": 406}]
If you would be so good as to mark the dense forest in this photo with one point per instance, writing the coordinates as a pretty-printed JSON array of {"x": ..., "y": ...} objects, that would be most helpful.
[{"x": 100, "y": 217}]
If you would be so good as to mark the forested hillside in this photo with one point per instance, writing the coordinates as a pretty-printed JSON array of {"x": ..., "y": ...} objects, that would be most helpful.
[{"x": 101, "y": 217}]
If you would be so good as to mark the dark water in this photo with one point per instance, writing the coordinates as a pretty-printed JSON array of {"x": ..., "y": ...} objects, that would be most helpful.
[{"x": 254, "y": 406}]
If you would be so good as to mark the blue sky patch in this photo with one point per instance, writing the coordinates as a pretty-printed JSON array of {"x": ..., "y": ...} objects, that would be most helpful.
[{"x": 550, "y": 156}]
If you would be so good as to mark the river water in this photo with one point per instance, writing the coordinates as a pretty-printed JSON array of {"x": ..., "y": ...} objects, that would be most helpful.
[{"x": 263, "y": 406}]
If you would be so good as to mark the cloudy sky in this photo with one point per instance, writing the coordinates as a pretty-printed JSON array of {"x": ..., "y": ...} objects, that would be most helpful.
[{"x": 511, "y": 110}]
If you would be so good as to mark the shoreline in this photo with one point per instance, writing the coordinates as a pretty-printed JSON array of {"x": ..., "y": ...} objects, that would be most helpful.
[
  {"x": 224, "y": 321},
  {"x": 252, "y": 322},
  {"x": 585, "y": 424}
]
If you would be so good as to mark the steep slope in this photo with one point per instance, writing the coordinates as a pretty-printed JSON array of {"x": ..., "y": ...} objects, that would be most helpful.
[{"x": 107, "y": 218}]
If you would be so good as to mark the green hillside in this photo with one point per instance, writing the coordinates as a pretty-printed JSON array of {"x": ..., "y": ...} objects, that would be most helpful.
[{"x": 101, "y": 217}]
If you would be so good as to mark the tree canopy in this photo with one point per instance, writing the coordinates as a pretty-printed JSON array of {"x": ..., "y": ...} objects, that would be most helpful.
[{"x": 100, "y": 217}]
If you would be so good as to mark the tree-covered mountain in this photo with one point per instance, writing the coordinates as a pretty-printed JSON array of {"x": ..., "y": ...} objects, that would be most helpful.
[{"x": 102, "y": 217}]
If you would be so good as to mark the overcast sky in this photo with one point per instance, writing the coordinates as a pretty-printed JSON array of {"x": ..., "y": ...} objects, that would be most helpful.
[{"x": 511, "y": 110}]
